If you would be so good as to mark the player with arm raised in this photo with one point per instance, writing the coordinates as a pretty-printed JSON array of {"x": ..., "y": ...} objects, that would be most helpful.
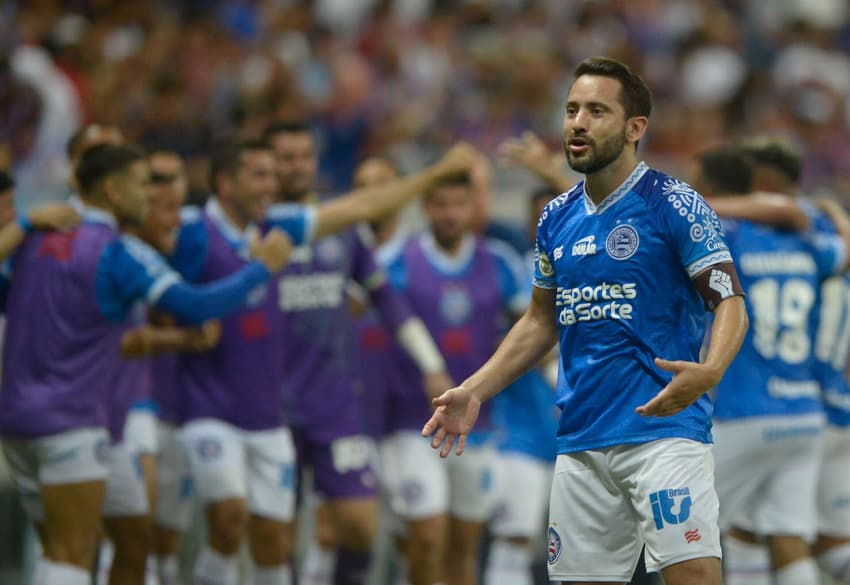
[{"x": 627, "y": 263}]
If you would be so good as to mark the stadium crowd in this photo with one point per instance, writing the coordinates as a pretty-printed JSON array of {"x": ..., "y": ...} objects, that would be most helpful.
[{"x": 214, "y": 302}]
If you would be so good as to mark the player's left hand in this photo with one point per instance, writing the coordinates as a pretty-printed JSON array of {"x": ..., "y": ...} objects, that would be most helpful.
[
  {"x": 690, "y": 381},
  {"x": 457, "y": 411},
  {"x": 54, "y": 216}
]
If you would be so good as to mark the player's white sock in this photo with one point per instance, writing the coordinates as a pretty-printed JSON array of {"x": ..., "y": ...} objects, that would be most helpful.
[
  {"x": 168, "y": 570},
  {"x": 745, "y": 563},
  {"x": 281, "y": 575},
  {"x": 50, "y": 573},
  {"x": 508, "y": 564},
  {"x": 105, "y": 556},
  {"x": 212, "y": 568},
  {"x": 836, "y": 562},
  {"x": 802, "y": 572},
  {"x": 318, "y": 566},
  {"x": 402, "y": 574}
]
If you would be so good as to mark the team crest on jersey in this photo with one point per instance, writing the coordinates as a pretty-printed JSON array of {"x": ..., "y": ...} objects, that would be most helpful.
[
  {"x": 209, "y": 449},
  {"x": 455, "y": 305},
  {"x": 622, "y": 242},
  {"x": 329, "y": 250},
  {"x": 554, "y": 545}
]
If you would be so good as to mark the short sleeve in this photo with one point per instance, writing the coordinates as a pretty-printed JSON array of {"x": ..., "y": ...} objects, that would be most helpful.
[
  {"x": 544, "y": 270},
  {"x": 298, "y": 221},
  {"x": 397, "y": 273},
  {"x": 190, "y": 255},
  {"x": 693, "y": 228},
  {"x": 513, "y": 280}
]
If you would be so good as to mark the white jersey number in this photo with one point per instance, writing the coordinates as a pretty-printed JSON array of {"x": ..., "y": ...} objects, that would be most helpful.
[
  {"x": 781, "y": 319},
  {"x": 833, "y": 340}
]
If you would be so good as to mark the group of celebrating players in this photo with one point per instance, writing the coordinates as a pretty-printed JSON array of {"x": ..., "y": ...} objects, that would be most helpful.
[{"x": 157, "y": 353}]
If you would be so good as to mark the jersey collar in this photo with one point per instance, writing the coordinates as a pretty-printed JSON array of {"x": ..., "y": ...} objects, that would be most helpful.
[
  {"x": 442, "y": 261},
  {"x": 618, "y": 193},
  {"x": 239, "y": 239},
  {"x": 97, "y": 215}
]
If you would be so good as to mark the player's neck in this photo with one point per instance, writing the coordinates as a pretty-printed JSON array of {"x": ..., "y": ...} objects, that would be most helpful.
[
  {"x": 232, "y": 216},
  {"x": 602, "y": 183}
]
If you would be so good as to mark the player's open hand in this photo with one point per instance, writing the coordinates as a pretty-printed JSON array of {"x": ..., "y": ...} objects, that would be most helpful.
[
  {"x": 273, "y": 250},
  {"x": 436, "y": 383},
  {"x": 528, "y": 151},
  {"x": 690, "y": 381},
  {"x": 457, "y": 411},
  {"x": 54, "y": 216}
]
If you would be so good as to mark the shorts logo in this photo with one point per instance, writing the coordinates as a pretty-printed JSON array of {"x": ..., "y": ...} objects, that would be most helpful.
[
  {"x": 209, "y": 449},
  {"x": 412, "y": 492},
  {"x": 554, "y": 545},
  {"x": 622, "y": 242},
  {"x": 692, "y": 535},
  {"x": 664, "y": 501}
]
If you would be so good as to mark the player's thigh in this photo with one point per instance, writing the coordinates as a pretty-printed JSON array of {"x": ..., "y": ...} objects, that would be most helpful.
[
  {"x": 789, "y": 498},
  {"x": 593, "y": 533},
  {"x": 834, "y": 484},
  {"x": 471, "y": 483},
  {"x": 416, "y": 479},
  {"x": 522, "y": 485},
  {"x": 670, "y": 483},
  {"x": 126, "y": 489},
  {"x": 215, "y": 451},
  {"x": 270, "y": 458},
  {"x": 173, "y": 483}
]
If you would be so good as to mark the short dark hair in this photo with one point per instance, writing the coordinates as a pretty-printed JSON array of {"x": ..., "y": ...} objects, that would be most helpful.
[
  {"x": 776, "y": 153},
  {"x": 727, "y": 170},
  {"x": 104, "y": 160},
  {"x": 461, "y": 179},
  {"x": 286, "y": 127},
  {"x": 7, "y": 183},
  {"x": 226, "y": 155},
  {"x": 635, "y": 95}
]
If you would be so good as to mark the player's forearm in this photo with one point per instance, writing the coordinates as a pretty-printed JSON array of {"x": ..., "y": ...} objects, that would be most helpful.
[
  {"x": 727, "y": 335},
  {"x": 373, "y": 203},
  {"x": 417, "y": 342},
  {"x": 150, "y": 340},
  {"x": 528, "y": 342},
  {"x": 765, "y": 208}
]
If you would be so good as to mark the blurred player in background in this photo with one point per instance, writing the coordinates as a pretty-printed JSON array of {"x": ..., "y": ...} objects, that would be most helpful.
[
  {"x": 624, "y": 259},
  {"x": 463, "y": 288},
  {"x": 526, "y": 422}
]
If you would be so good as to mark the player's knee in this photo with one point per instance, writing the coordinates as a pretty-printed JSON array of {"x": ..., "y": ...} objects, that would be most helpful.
[
  {"x": 271, "y": 541},
  {"x": 355, "y": 526},
  {"x": 427, "y": 538},
  {"x": 227, "y": 524}
]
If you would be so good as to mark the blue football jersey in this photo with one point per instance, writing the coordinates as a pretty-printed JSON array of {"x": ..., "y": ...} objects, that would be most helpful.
[
  {"x": 622, "y": 275},
  {"x": 782, "y": 272}
]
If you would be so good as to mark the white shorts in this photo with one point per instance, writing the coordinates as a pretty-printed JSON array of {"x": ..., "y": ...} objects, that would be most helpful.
[
  {"x": 75, "y": 456},
  {"x": 767, "y": 474},
  {"x": 421, "y": 484},
  {"x": 834, "y": 484},
  {"x": 226, "y": 462},
  {"x": 140, "y": 431},
  {"x": 605, "y": 504},
  {"x": 126, "y": 490},
  {"x": 522, "y": 486},
  {"x": 173, "y": 484}
]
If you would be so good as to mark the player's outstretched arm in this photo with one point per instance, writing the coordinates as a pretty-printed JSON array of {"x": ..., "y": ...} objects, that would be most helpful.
[
  {"x": 525, "y": 345},
  {"x": 690, "y": 379},
  {"x": 373, "y": 203},
  {"x": 531, "y": 153},
  {"x": 772, "y": 209},
  {"x": 149, "y": 339}
]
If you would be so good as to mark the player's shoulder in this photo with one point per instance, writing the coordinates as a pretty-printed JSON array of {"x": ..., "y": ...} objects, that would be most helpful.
[
  {"x": 565, "y": 199},
  {"x": 139, "y": 251}
]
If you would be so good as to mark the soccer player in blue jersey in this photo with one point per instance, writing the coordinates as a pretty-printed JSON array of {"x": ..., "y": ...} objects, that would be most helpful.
[
  {"x": 74, "y": 289},
  {"x": 627, "y": 263}
]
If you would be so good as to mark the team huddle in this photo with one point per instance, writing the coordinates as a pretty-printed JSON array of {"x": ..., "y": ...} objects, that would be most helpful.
[{"x": 156, "y": 354}]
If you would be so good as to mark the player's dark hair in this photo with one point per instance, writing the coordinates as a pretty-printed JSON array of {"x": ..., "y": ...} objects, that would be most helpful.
[
  {"x": 634, "y": 93},
  {"x": 726, "y": 170},
  {"x": 7, "y": 183},
  {"x": 226, "y": 156},
  {"x": 286, "y": 127},
  {"x": 775, "y": 153},
  {"x": 461, "y": 179},
  {"x": 102, "y": 161},
  {"x": 74, "y": 142}
]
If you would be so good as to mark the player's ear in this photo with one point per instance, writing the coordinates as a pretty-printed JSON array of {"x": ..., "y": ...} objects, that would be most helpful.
[
  {"x": 111, "y": 189},
  {"x": 636, "y": 128}
]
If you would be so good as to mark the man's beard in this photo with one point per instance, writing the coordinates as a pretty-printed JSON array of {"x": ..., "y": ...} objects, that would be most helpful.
[{"x": 599, "y": 156}]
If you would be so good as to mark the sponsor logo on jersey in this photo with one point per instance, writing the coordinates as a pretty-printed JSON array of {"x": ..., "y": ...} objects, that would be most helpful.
[
  {"x": 622, "y": 242},
  {"x": 595, "y": 303},
  {"x": 554, "y": 545},
  {"x": 311, "y": 291},
  {"x": 584, "y": 247},
  {"x": 330, "y": 250},
  {"x": 670, "y": 506},
  {"x": 558, "y": 253}
]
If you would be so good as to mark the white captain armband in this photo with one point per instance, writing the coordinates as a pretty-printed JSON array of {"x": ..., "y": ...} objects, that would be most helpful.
[
  {"x": 718, "y": 283},
  {"x": 417, "y": 342}
]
